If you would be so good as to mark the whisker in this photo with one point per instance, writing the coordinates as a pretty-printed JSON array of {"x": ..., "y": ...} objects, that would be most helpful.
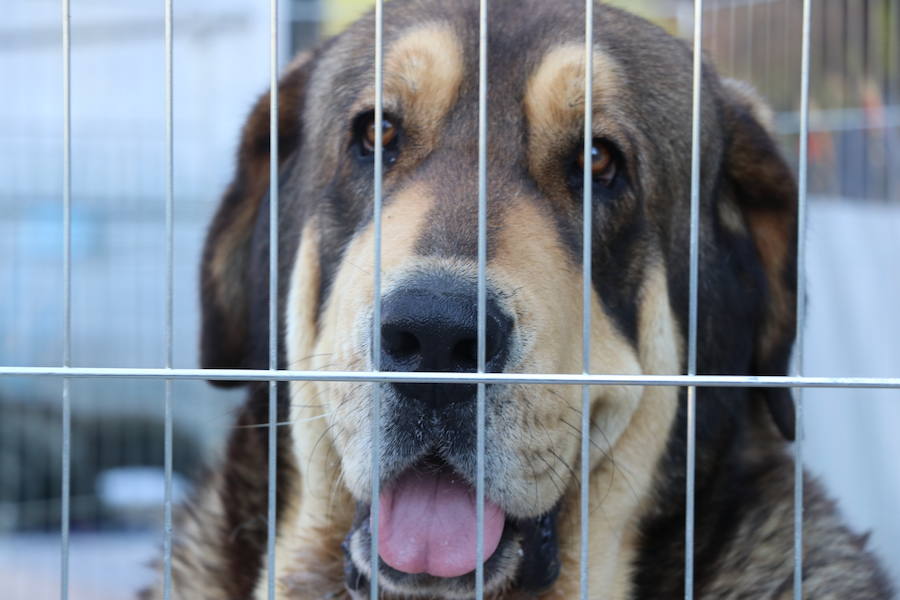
[
  {"x": 361, "y": 269},
  {"x": 338, "y": 481},
  {"x": 610, "y": 455},
  {"x": 300, "y": 361},
  {"x": 283, "y": 423},
  {"x": 566, "y": 464},
  {"x": 533, "y": 476},
  {"x": 555, "y": 472},
  {"x": 316, "y": 445},
  {"x": 328, "y": 429}
]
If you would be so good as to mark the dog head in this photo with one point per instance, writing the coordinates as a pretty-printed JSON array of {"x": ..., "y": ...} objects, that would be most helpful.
[{"x": 641, "y": 187}]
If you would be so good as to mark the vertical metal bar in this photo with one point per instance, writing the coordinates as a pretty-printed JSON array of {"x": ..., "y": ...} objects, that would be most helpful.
[
  {"x": 67, "y": 299},
  {"x": 170, "y": 306},
  {"x": 767, "y": 54},
  {"x": 853, "y": 167},
  {"x": 713, "y": 31},
  {"x": 482, "y": 296},
  {"x": 893, "y": 93},
  {"x": 801, "y": 297},
  {"x": 692, "y": 305},
  {"x": 732, "y": 32},
  {"x": 786, "y": 43},
  {"x": 876, "y": 44},
  {"x": 273, "y": 292},
  {"x": 587, "y": 205},
  {"x": 749, "y": 48},
  {"x": 375, "y": 416}
]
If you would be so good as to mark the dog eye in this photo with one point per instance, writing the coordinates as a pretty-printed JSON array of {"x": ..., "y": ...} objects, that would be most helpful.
[
  {"x": 603, "y": 162},
  {"x": 388, "y": 133}
]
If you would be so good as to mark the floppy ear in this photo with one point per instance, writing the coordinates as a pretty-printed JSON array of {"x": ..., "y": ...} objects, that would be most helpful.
[
  {"x": 766, "y": 193},
  {"x": 224, "y": 283}
]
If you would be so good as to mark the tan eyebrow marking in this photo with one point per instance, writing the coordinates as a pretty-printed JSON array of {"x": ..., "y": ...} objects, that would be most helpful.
[
  {"x": 555, "y": 93},
  {"x": 423, "y": 72},
  {"x": 554, "y": 98}
]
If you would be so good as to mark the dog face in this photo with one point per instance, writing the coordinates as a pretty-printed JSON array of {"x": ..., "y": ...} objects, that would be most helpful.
[{"x": 640, "y": 193}]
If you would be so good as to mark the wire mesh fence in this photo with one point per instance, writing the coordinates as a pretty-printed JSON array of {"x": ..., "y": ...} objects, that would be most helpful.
[{"x": 836, "y": 108}]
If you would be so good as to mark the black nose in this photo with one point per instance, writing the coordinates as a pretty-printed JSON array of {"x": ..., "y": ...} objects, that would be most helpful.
[{"x": 431, "y": 325}]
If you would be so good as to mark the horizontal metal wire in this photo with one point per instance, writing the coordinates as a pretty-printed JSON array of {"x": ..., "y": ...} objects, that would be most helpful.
[{"x": 490, "y": 378}]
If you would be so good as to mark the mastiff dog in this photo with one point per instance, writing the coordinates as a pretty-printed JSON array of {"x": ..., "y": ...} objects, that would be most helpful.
[{"x": 640, "y": 163}]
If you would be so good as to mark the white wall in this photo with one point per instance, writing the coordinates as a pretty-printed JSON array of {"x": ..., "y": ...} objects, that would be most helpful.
[{"x": 853, "y": 436}]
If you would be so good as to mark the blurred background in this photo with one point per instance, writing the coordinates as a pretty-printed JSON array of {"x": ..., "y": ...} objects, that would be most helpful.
[{"x": 221, "y": 66}]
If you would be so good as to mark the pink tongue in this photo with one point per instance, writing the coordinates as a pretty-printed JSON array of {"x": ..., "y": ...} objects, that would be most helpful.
[{"x": 427, "y": 525}]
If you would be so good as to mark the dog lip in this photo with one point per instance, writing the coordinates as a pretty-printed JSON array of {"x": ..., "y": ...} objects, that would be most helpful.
[
  {"x": 540, "y": 564},
  {"x": 430, "y": 461},
  {"x": 434, "y": 463}
]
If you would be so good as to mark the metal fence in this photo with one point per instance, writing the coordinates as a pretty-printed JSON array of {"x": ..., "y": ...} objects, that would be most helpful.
[{"x": 711, "y": 16}]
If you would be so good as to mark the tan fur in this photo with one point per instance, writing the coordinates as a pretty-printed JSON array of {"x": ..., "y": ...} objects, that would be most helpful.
[
  {"x": 529, "y": 258},
  {"x": 344, "y": 327},
  {"x": 622, "y": 481},
  {"x": 312, "y": 529},
  {"x": 310, "y": 544},
  {"x": 554, "y": 104},
  {"x": 772, "y": 233},
  {"x": 423, "y": 70}
]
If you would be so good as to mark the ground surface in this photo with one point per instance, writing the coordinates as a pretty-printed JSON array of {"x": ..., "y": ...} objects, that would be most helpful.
[{"x": 104, "y": 566}]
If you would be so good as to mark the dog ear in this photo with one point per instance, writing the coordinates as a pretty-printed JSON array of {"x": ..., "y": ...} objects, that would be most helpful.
[
  {"x": 224, "y": 281},
  {"x": 766, "y": 193}
]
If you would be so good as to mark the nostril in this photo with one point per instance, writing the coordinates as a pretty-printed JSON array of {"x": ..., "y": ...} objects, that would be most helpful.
[
  {"x": 465, "y": 354},
  {"x": 494, "y": 351},
  {"x": 403, "y": 346}
]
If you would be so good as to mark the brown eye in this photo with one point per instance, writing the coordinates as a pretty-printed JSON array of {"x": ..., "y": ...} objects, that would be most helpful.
[
  {"x": 603, "y": 164},
  {"x": 388, "y": 133}
]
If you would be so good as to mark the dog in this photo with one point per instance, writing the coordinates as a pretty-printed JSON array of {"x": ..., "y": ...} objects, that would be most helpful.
[{"x": 641, "y": 183}]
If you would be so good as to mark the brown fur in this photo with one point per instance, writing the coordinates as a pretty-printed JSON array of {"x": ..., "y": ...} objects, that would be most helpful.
[{"x": 642, "y": 89}]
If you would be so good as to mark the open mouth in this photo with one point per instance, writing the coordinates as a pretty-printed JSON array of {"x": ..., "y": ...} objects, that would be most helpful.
[
  {"x": 427, "y": 538},
  {"x": 427, "y": 522}
]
